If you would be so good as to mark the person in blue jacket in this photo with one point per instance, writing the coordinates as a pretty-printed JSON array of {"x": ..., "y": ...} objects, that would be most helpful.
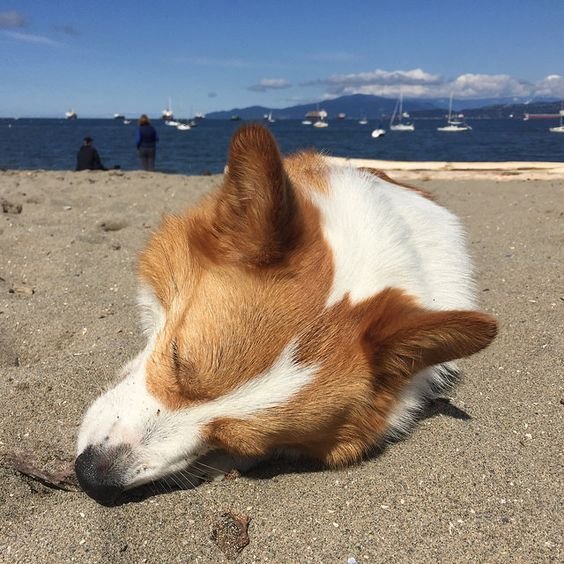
[{"x": 147, "y": 139}]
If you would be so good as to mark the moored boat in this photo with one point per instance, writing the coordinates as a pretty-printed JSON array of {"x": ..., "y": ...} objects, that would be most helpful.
[
  {"x": 168, "y": 114},
  {"x": 454, "y": 124},
  {"x": 559, "y": 128},
  {"x": 316, "y": 118},
  {"x": 397, "y": 122}
]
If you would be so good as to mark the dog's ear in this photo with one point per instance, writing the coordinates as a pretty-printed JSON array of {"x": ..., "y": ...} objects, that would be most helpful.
[
  {"x": 402, "y": 338},
  {"x": 255, "y": 217}
]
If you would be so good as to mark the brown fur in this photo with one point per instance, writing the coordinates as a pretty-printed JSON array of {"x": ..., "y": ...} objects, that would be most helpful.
[
  {"x": 367, "y": 355},
  {"x": 381, "y": 174}
]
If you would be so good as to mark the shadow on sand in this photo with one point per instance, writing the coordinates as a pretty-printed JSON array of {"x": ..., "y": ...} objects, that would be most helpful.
[{"x": 278, "y": 465}]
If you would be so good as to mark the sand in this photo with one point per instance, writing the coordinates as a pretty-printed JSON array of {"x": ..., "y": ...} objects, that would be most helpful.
[{"x": 480, "y": 480}]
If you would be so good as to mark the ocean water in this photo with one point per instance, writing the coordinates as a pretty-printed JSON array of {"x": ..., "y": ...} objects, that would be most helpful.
[{"x": 51, "y": 144}]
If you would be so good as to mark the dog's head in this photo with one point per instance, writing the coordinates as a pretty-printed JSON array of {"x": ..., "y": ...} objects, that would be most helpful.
[{"x": 250, "y": 346}]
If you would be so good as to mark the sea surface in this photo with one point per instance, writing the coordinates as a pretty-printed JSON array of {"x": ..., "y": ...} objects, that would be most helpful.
[{"x": 51, "y": 144}]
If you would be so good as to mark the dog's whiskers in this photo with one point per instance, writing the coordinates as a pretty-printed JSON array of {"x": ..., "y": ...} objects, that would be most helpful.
[{"x": 204, "y": 466}]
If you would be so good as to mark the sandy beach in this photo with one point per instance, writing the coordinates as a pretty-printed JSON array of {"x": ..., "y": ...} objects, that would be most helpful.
[{"x": 480, "y": 479}]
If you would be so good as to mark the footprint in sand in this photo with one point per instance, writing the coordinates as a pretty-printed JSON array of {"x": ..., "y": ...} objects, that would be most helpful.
[{"x": 112, "y": 225}]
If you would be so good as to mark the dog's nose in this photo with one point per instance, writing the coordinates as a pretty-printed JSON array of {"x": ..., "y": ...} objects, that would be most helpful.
[{"x": 92, "y": 468}]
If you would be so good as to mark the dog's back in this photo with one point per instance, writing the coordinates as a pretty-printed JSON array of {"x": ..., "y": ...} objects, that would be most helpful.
[{"x": 383, "y": 235}]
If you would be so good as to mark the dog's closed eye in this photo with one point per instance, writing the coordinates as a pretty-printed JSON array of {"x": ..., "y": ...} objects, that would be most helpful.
[
  {"x": 174, "y": 350},
  {"x": 184, "y": 369}
]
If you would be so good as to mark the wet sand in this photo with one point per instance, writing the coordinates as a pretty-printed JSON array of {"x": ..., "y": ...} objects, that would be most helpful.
[{"x": 480, "y": 480}]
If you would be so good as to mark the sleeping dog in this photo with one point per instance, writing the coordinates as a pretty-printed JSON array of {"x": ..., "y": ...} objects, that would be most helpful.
[{"x": 302, "y": 306}]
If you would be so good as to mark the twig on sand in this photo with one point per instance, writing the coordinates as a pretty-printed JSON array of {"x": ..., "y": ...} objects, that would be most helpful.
[{"x": 62, "y": 479}]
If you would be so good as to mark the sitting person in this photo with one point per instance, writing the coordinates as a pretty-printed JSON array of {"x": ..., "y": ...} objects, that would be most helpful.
[{"x": 87, "y": 157}]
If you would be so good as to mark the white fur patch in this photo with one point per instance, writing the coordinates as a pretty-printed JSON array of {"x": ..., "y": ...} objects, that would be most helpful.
[
  {"x": 384, "y": 236},
  {"x": 422, "y": 387},
  {"x": 152, "y": 313},
  {"x": 122, "y": 413},
  {"x": 276, "y": 386}
]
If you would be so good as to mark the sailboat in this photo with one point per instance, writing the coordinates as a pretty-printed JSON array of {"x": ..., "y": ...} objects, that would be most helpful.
[
  {"x": 167, "y": 114},
  {"x": 320, "y": 123},
  {"x": 559, "y": 128},
  {"x": 321, "y": 120},
  {"x": 397, "y": 122},
  {"x": 453, "y": 124},
  {"x": 319, "y": 116}
]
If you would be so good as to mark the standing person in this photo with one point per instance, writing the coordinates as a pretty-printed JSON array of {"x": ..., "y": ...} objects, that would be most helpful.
[
  {"x": 87, "y": 157},
  {"x": 147, "y": 140}
]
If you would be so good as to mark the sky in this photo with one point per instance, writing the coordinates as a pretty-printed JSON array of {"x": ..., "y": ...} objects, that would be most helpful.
[{"x": 131, "y": 56}]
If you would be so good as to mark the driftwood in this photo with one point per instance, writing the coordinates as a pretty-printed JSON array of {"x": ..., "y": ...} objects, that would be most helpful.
[{"x": 61, "y": 479}]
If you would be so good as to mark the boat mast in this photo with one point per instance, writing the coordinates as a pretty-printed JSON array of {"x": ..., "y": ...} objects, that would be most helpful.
[{"x": 394, "y": 113}]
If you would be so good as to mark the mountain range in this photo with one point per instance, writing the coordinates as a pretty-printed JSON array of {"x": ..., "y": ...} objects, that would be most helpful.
[{"x": 375, "y": 107}]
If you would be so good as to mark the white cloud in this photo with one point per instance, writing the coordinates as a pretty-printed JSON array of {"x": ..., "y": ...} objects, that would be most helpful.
[
  {"x": 552, "y": 85},
  {"x": 11, "y": 20},
  {"x": 270, "y": 84},
  {"x": 417, "y": 83},
  {"x": 488, "y": 85},
  {"x": 376, "y": 78},
  {"x": 30, "y": 38}
]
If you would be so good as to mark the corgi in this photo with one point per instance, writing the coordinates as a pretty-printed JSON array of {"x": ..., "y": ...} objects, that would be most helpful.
[{"x": 303, "y": 306}]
